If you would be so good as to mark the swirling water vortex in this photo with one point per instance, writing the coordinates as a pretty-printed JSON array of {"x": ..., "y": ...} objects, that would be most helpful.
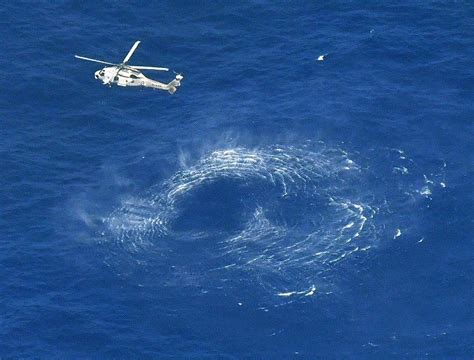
[{"x": 280, "y": 215}]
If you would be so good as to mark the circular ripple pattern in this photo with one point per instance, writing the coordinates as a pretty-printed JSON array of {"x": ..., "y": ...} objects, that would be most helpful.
[{"x": 281, "y": 216}]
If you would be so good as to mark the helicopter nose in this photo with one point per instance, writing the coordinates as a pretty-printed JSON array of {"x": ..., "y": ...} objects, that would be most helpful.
[{"x": 96, "y": 74}]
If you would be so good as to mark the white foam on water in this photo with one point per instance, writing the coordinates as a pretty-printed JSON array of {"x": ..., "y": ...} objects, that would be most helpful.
[
  {"x": 426, "y": 191},
  {"x": 308, "y": 292},
  {"x": 311, "y": 211}
]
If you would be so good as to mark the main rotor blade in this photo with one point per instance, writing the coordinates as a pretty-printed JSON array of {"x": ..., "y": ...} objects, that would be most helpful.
[
  {"x": 130, "y": 53},
  {"x": 94, "y": 60},
  {"x": 148, "y": 68}
]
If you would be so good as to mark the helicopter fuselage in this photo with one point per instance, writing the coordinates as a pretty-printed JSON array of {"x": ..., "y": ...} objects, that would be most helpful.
[{"x": 127, "y": 77}]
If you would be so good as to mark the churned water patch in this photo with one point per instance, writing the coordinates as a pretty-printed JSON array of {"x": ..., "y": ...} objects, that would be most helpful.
[{"x": 284, "y": 216}]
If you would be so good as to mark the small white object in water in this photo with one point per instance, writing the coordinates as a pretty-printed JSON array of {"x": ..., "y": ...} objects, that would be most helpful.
[
  {"x": 311, "y": 291},
  {"x": 402, "y": 170},
  {"x": 308, "y": 292},
  {"x": 398, "y": 233},
  {"x": 425, "y": 191},
  {"x": 321, "y": 57},
  {"x": 443, "y": 185}
]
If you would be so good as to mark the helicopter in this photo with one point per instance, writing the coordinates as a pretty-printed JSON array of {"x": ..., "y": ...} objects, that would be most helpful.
[{"x": 123, "y": 74}]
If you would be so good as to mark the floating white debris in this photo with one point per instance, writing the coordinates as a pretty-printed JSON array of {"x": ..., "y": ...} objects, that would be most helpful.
[
  {"x": 402, "y": 170},
  {"x": 425, "y": 191},
  {"x": 308, "y": 292},
  {"x": 321, "y": 57},
  {"x": 443, "y": 185},
  {"x": 397, "y": 233},
  {"x": 311, "y": 291},
  {"x": 421, "y": 240},
  {"x": 427, "y": 181}
]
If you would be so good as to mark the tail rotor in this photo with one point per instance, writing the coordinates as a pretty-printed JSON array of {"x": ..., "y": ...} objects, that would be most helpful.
[{"x": 174, "y": 84}]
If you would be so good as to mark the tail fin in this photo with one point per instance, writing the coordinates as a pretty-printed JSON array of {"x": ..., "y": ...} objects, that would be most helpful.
[{"x": 173, "y": 85}]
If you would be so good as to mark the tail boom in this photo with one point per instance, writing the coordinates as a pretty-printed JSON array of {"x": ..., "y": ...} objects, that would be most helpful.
[{"x": 172, "y": 86}]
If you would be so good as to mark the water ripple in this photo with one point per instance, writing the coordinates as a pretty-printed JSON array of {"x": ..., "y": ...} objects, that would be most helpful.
[{"x": 301, "y": 212}]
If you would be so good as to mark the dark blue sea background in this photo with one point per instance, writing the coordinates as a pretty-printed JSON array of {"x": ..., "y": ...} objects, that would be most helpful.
[{"x": 274, "y": 207}]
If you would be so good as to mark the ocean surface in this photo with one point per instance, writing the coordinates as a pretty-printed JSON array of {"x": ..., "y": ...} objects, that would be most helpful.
[{"x": 275, "y": 207}]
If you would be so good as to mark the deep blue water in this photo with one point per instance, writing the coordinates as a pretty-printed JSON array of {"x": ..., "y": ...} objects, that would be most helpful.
[{"x": 274, "y": 207}]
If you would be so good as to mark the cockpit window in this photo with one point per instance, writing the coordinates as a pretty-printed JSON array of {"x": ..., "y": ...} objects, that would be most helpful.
[{"x": 133, "y": 76}]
